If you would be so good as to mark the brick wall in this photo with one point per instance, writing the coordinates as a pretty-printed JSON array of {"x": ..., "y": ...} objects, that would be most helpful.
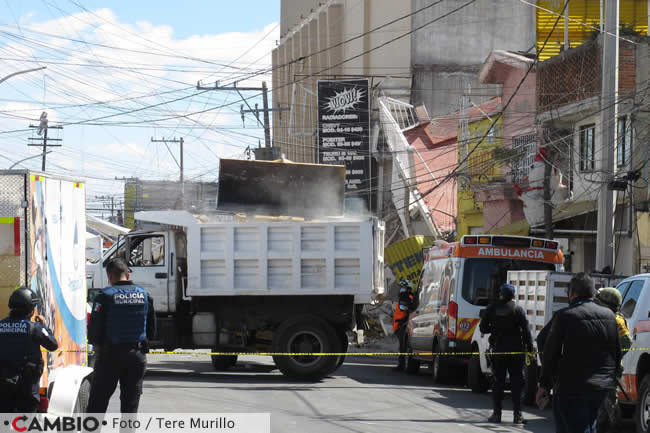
[
  {"x": 575, "y": 75},
  {"x": 626, "y": 68},
  {"x": 572, "y": 76}
]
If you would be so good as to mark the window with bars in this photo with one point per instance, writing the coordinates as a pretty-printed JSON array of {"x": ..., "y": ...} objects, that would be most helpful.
[
  {"x": 623, "y": 146},
  {"x": 587, "y": 162},
  {"x": 526, "y": 148}
]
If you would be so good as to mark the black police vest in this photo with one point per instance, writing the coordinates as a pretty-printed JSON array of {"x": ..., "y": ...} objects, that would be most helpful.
[
  {"x": 16, "y": 343},
  {"x": 126, "y": 315},
  {"x": 504, "y": 321}
]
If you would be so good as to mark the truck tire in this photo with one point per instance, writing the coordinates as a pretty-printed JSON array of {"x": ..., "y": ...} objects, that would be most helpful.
[
  {"x": 81, "y": 405},
  {"x": 343, "y": 337},
  {"x": 342, "y": 348},
  {"x": 412, "y": 364},
  {"x": 476, "y": 380},
  {"x": 306, "y": 334},
  {"x": 529, "y": 390},
  {"x": 440, "y": 369},
  {"x": 223, "y": 362},
  {"x": 643, "y": 407}
]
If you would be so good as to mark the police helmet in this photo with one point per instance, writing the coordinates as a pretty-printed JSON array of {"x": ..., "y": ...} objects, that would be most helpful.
[
  {"x": 507, "y": 290},
  {"x": 609, "y": 297},
  {"x": 22, "y": 299},
  {"x": 406, "y": 285}
]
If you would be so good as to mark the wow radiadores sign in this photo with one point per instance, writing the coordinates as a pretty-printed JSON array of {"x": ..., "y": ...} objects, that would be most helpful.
[{"x": 343, "y": 132}]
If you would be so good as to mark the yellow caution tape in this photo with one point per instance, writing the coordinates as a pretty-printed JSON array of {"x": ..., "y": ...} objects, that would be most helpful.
[{"x": 529, "y": 355}]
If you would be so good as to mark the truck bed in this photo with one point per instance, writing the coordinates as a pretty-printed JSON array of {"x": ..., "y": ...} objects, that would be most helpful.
[
  {"x": 274, "y": 257},
  {"x": 542, "y": 293}
]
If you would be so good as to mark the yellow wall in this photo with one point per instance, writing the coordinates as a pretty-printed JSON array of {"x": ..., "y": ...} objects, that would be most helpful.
[
  {"x": 633, "y": 13},
  {"x": 481, "y": 168}
]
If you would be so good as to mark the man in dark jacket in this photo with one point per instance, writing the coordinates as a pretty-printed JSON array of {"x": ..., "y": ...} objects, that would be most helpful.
[
  {"x": 582, "y": 352},
  {"x": 508, "y": 328}
]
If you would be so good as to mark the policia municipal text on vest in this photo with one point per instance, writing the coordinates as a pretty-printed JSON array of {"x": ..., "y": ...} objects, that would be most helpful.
[
  {"x": 121, "y": 323},
  {"x": 508, "y": 328},
  {"x": 21, "y": 362}
]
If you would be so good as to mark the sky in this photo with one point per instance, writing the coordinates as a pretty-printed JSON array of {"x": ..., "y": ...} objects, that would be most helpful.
[{"x": 121, "y": 72}]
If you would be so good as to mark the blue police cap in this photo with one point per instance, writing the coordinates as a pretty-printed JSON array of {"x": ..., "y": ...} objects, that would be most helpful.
[{"x": 507, "y": 290}]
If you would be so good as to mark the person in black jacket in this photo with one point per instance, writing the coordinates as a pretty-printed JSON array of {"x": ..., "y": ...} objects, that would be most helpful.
[
  {"x": 21, "y": 362},
  {"x": 508, "y": 328},
  {"x": 121, "y": 324},
  {"x": 581, "y": 354}
]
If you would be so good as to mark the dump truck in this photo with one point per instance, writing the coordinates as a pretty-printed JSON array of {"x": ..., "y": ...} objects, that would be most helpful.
[
  {"x": 248, "y": 283},
  {"x": 42, "y": 247}
]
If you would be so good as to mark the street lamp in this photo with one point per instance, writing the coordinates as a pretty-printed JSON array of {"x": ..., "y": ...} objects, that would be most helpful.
[
  {"x": 13, "y": 75},
  {"x": 29, "y": 157},
  {"x": 22, "y": 72}
]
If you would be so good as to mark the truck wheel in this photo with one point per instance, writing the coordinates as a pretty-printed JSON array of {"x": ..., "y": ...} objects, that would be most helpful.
[
  {"x": 476, "y": 380},
  {"x": 529, "y": 389},
  {"x": 439, "y": 366},
  {"x": 412, "y": 364},
  {"x": 81, "y": 405},
  {"x": 643, "y": 408},
  {"x": 343, "y": 337},
  {"x": 223, "y": 362},
  {"x": 308, "y": 335}
]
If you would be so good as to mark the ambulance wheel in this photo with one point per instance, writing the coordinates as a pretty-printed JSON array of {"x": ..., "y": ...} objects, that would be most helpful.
[
  {"x": 643, "y": 407},
  {"x": 440, "y": 370},
  {"x": 81, "y": 405},
  {"x": 223, "y": 362},
  {"x": 476, "y": 380},
  {"x": 412, "y": 364},
  {"x": 529, "y": 390},
  {"x": 306, "y": 334}
]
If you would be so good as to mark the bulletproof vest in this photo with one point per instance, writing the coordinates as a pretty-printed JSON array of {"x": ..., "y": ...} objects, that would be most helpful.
[
  {"x": 126, "y": 314},
  {"x": 504, "y": 322},
  {"x": 16, "y": 343}
]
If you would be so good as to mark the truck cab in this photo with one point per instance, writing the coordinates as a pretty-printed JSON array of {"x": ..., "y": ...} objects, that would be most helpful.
[{"x": 158, "y": 264}]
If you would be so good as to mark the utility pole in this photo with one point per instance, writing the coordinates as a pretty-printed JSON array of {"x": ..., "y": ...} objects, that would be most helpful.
[
  {"x": 608, "y": 115},
  {"x": 265, "y": 100},
  {"x": 267, "y": 125},
  {"x": 43, "y": 141},
  {"x": 180, "y": 165}
]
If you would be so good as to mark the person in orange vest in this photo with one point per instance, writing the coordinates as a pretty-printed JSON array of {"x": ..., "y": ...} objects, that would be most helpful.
[{"x": 403, "y": 307}]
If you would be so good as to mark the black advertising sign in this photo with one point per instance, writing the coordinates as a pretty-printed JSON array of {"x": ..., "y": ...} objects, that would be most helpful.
[{"x": 344, "y": 132}]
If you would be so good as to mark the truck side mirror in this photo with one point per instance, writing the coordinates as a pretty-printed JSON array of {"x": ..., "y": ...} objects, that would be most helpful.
[{"x": 482, "y": 312}]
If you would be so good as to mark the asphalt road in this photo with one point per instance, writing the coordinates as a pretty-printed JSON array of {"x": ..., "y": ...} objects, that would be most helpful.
[{"x": 364, "y": 395}]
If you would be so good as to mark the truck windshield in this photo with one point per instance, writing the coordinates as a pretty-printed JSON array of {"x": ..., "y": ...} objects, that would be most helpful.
[{"x": 483, "y": 277}]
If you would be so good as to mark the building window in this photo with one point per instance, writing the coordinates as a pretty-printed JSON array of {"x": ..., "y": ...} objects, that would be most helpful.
[
  {"x": 587, "y": 147},
  {"x": 624, "y": 142},
  {"x": 526, "y": 148}
]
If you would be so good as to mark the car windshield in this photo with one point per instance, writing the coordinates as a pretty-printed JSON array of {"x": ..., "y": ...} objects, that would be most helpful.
[{"x": 483, "y": 277}]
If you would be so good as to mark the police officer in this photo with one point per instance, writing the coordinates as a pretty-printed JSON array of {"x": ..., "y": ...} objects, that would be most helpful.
[
  {"x": 21, "y": 362},
  {"x": 609, "y": 412},
  {"x": 611, "y": 298},
  {"x": 121, "y": 322},
  {"x": 404, "y": 306},
  {"x": 507, "y": 324}
]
